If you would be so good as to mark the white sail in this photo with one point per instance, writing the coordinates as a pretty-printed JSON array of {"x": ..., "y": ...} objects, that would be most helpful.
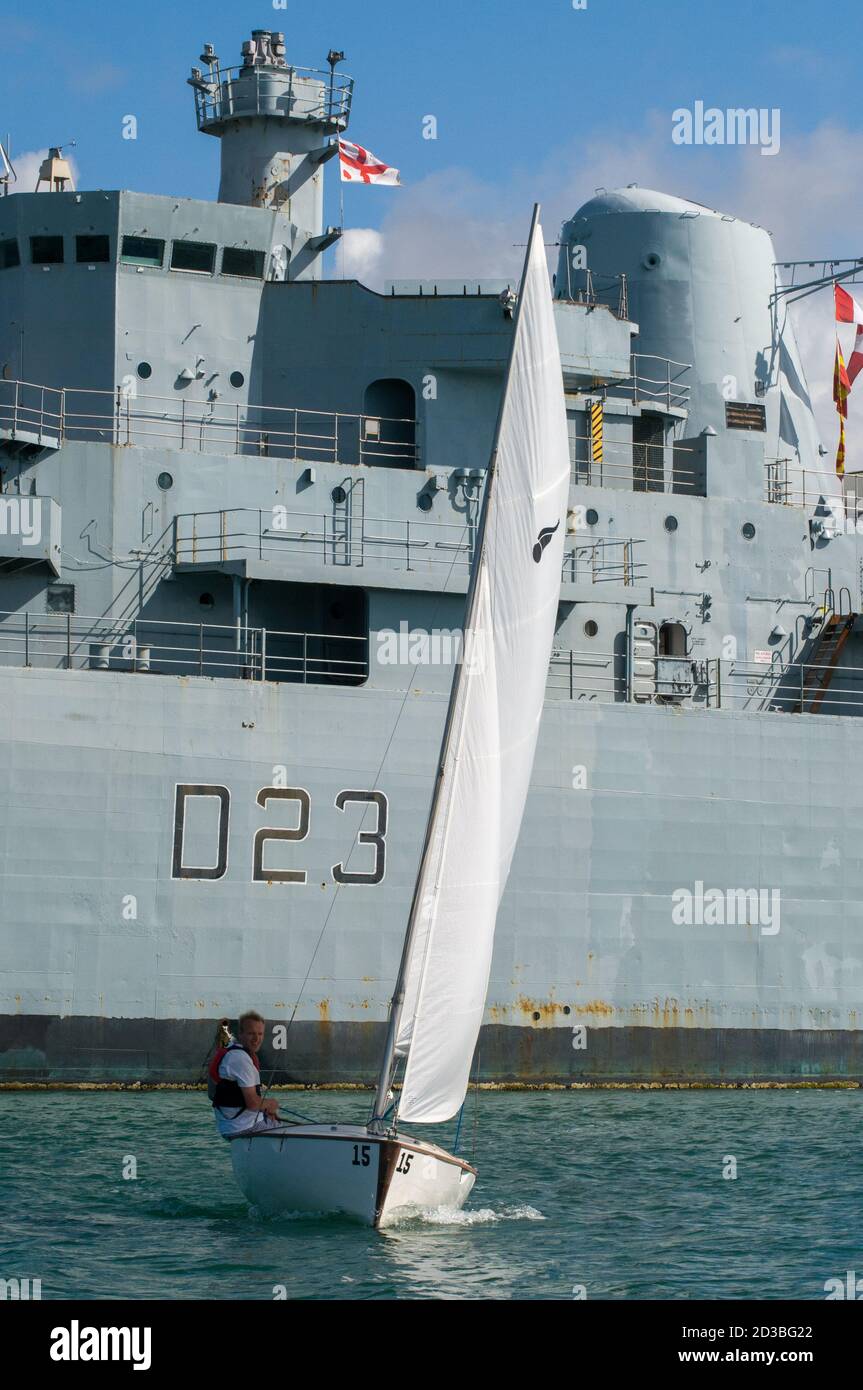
[{"x": 497, "y": 704}]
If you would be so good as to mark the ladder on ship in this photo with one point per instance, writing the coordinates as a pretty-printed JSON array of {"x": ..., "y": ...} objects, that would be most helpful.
[{"x": 819, "y": 670}]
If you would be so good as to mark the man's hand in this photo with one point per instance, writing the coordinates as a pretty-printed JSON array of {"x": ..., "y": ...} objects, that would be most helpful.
[{"x": 270, "y": 1107}]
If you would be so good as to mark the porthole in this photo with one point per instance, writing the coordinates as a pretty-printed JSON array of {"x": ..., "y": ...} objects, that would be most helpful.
[
  {"x": 165, "y": 481},
  {"x": 425, "y": 501},
  {"x": 145, "y": 371},
  {"x": 671, "y": 523},
  {"x": 567, "y": 1009},
  {"x": 536, "y": 1016},
  {"x": 651, "y": 260},
  {"x": 747, "y": 530},
  {"x": 339, "y": 495},
  {"x": 207, "y": 601},
  {"x": 237, "y": 379},
  {"x": 591, "y": 516},
  {"x": 591, "y": 628}
]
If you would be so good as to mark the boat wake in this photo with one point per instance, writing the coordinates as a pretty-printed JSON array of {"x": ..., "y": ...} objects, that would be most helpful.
[{"x": 477, "y": 1216}]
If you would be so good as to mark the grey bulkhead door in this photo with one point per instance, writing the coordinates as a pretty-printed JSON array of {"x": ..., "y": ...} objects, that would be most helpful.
[{"x": 643, "y": 655}]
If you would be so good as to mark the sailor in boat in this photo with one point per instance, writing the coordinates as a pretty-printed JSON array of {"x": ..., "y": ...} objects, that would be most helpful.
[{"x": 235, "y": 1081}]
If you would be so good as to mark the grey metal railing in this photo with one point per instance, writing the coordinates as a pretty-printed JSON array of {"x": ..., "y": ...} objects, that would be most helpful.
[
  {"x": 638, "y": 467},
  {"x": 787, "y": 484},
  {"x": 589, "y": 675},
  {"x": 125, "y": 417},
  {"x": 215, "y": 537},
  {"x": 145, "y": 645},
  {"x": 593, "y": 288},
  {"x": 655, "y": 380},
  {"x": 299, "y": 93},
  {"x": 784, "y": 687}
]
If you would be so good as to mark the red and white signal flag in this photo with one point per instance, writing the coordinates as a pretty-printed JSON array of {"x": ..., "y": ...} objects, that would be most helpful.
[
  {"x": 361, "y": 166},
  {"x": 849, "y": 311}
]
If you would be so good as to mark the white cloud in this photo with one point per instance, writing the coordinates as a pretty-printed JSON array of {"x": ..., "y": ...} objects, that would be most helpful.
[{"x": 359, "y": 254}]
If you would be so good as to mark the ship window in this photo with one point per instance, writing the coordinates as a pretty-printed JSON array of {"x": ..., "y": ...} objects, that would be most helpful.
[
  {"x": 591, "y": 628},
  {"x": 672, "y": 639},
  {"x": 237, "y": 379},
  {"x": 143, "y": 250},
  {"x": 193, "y": 255},
  {"x": 46, "y": 250},
  {"x": 92, "y": 248},
  {"x": 239, "y": 260},
  {"x": 9, "y": 254},
  {"x": 60, "y": 598}
]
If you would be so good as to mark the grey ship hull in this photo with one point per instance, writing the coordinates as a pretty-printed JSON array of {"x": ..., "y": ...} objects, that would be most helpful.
[{"x": 586, "y": 939}]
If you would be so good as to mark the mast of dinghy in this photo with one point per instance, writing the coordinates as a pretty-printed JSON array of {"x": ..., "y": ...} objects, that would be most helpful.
[{"x": 385, "y": 1077}]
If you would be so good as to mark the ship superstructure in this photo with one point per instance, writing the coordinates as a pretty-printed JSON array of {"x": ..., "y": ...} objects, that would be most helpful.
[{"x": 238, "y": 509}]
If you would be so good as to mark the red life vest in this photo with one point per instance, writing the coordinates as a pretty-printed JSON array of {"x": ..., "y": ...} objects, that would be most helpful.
[{"x": 226, "y": 1094}]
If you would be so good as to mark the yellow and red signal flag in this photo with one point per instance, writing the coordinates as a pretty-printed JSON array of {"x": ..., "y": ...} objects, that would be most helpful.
[
  {"x": 849, "y": 311},
  {"x": 841, "y": 387}
]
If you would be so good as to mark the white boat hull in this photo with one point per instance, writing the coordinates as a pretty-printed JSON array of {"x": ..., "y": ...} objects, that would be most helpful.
[{"x": 372, "y": 1178}]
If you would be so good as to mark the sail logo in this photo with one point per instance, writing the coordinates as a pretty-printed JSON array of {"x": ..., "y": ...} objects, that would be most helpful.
[
  {"x": 735, "y": 126},
  {"x": 543, "y": 540},
  {"x": 719, "y": 907},
  {"x": 21, "y": 516},
  {"x": 415, "y": 646},
  {"x": 77, "y": 1343}
]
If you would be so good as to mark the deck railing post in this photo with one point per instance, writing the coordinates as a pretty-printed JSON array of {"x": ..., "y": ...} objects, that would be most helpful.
[
  {"x": 27, "y": 638},
  {"x": 802, "y": 670},
  {"x": 68, "y": 641},
  {"x": 263, "y": 653},
  {"x": 200, "y": 649}
]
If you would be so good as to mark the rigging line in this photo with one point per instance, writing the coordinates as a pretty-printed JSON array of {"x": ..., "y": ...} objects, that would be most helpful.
[
  {"x": 475, "y": 1106},
  {"x": 435, "y": 613}
]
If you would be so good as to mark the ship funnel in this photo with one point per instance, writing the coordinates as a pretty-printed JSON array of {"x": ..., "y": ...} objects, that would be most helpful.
[{"x": 276, "y": 123}]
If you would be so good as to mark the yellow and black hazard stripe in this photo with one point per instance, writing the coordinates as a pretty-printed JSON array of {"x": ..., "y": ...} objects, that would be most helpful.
[{"x": 596, "y": 432}]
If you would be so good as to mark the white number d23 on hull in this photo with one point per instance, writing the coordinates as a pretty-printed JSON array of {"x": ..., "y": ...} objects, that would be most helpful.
[{"x": 372, "y": 1178}]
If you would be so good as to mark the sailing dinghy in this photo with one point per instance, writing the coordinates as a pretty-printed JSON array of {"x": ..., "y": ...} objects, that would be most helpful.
[{"x": 376, "y": 1172}]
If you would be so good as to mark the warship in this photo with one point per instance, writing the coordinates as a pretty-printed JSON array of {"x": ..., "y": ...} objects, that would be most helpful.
[{"x": 238, "y": 515}]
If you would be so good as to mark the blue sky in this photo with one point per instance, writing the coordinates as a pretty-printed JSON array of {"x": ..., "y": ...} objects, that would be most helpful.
[{"x": 508, "y": 81}]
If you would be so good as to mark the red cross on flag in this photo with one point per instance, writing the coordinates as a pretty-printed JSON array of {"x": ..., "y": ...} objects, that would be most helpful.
[
  {"x": 849, "y": 311},
  {"x": 361, "y": 166}
]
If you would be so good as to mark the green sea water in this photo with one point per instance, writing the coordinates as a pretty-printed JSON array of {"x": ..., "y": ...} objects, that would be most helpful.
[{"x": 620, "y": 1194}]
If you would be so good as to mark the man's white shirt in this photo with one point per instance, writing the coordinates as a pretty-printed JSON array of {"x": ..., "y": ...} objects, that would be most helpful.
[{"x": 237, "y": 1065}]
